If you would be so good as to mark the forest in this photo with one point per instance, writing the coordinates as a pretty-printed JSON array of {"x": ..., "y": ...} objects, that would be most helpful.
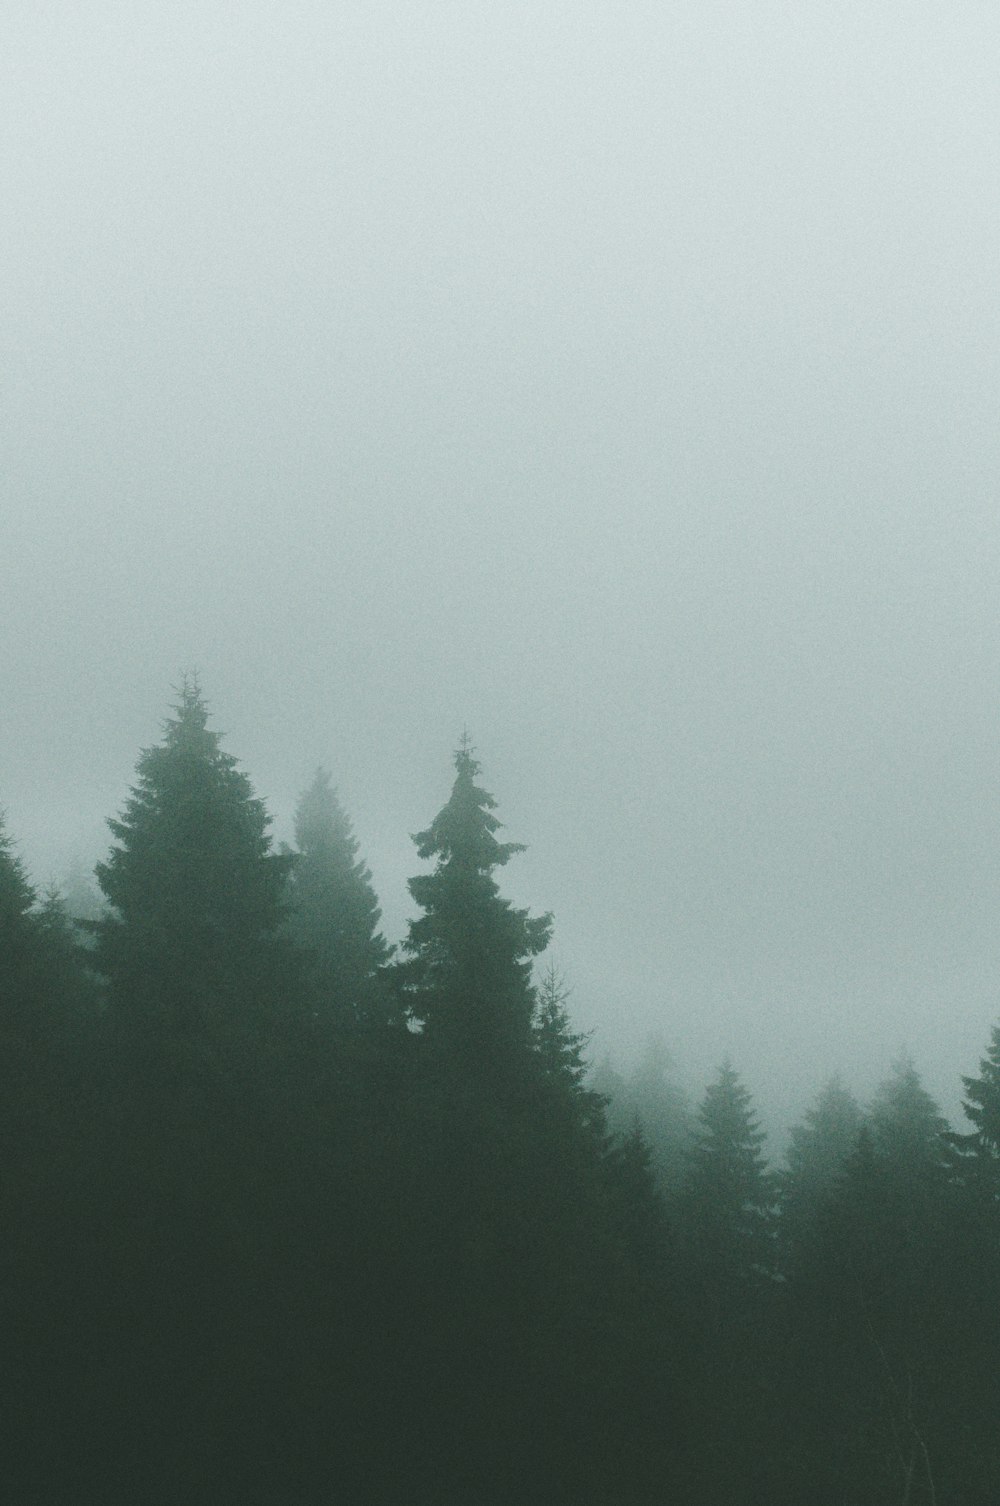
[{"x": 291, "y": 1215}]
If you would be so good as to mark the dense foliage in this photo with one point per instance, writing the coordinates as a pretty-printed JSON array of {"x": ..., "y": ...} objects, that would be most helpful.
[{"x": 285, "y": 1218}]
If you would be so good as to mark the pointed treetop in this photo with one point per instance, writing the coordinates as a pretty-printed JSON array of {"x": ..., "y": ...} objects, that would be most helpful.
[
  {"x": 195, "y": 894},
  {"x": 469, "y": 973},
  {"x": 321, "y": 822},
  {"x": 981, "y": 1104},
  {"x": 188, "y": 727},
  {"x": 462, "y": 833},
  {"x": 17, "y": 895}
]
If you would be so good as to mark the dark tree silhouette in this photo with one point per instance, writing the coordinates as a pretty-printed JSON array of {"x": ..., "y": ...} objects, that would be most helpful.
[
  {"x": 818, "y": 1151},
  {"x": 468, "y": 975},
  {"x": 334, "y": 915},
  {"x": 18, "y": 934},
  {"x": 193, "y": 932},
  {"x": 728, "y": 1196}
]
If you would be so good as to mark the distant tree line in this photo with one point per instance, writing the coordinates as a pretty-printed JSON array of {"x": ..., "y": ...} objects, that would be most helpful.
[{"x": 288, "y": 1215}]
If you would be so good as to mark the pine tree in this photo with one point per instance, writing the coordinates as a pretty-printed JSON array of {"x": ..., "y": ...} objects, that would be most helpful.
[
  {"x": 334, "y": 914},
  {"x": 193, "y": 932},
  {"x": 561, "y": 1056},
  {"x": 206, "y": 1175},
  {"x": 510, "y": 1255},
  {"x": 908, "y": 1130},
  {"x": 467, "y": 979},
  {"x": 972, "y": 1264},
  {"x": 818, "y": 1152},
  {"x": 18, "y": 932},
  {"x": 874, "y": 1303},
  {"x": 725, "y": 1233},
  {"x": 65, "y": 958},
  {"x": 727, "y": 1201},
  {"x": 658, "y": 1100},
  {"x": 977, "y": 1152}
]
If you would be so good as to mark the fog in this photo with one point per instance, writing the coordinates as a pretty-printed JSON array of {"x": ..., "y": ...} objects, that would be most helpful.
[{"x": 617, "y": 383}]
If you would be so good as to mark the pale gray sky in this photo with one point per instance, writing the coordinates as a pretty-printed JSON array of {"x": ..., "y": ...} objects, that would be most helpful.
[{"x": 618, "y": 381}]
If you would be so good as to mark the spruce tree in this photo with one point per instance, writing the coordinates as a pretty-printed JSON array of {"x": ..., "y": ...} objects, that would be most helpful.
[
  {"x": 66, "y": 957},
  {"x": 18, "y": 932},
  {"x": 818, "y": 1151},
  {"x": 658, "y": 1100},
  {"x": 205, "y": 1187},
  {"x": 978, "y": 1150},
  {"x": 725, "y": 1230},
  {"x": 193, "y": 932},
  {"x": 909, "y": 1131},
  {"x": 728, "y": 1196},
  {"x": 561, "y": 1058},
  {"x": 510, "y": 1258},
  {"x": 334, "y": 914},
  {"x": 467, "y": 977}
]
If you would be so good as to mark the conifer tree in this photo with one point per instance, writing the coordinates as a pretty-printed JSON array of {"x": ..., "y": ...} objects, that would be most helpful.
[
  {"x": 908, "y": 1130},
  {"x": 819, "y": 1149},
  {"x": 193, "y": 931},
  {"x": 724, "y": 1218},
  {"x": 65, "y": 957},
  {"x": 727, "y": 1201},
  {"x": 18, "y": 931},
  {"x": 510, "y": 1246},
  {"x": 467, "y": 977},
  {"x": 658, "y": 1100},
  {"x": 978, "y": 1150},
  {"x": 334, "y": 914},
  {"x": 561, "y": 1056}
]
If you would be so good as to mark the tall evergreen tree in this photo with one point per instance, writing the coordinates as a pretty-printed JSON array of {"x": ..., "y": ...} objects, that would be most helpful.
[
  {"x": 334, "y": 914},
  {"x": 467, "y": 977},
  {"x": 510, "y": 1254},
  {"x": 66, "y": 957},
  {"x": 195, "y": 893},
  {"x": 728, "y": 1196},
  {"x": 561, "y": 1056},
  {"x": 658, "y": 1100},
  {"x": 18, "y": 932},
  {"x": 978, "y": 1149},
  {"x": 200, "y": 1183},
  {"x": 725, "y": 1229},
  {"x": 908, "y": 1130},
  {"x": 818, "y": 1151}
]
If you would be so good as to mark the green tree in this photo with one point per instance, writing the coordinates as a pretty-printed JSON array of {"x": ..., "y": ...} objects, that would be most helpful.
[
  {"x": 511, "y": 1256},
  {"x": 977, "y": 1152},
  {"x": 196, "y": 896},
  {"x": 818, "y": 1151},
  {"x": 65, "y": 955},
  {"x": 334, "y": 914},
  {"x": 908, "y": 1127},
  {"x": 467, "y": 977},
  {"x": 728, "y": 1197},
  {"x": 724, "y": 1220},
  {"x": 658, "y": 1100},
  {"x": 18, "y": 931},
  {"x": 874, "y": 1306},
  {"x": 562, "y": 1060}
]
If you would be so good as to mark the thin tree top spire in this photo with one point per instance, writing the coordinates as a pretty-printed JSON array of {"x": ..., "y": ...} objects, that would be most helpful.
[
  {"x": 188, "y": 727},
  {"x": 463, "y": 831},
  {"x": 470, "y": 951}
]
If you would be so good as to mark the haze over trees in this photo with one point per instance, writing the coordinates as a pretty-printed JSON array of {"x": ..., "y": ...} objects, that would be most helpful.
[{"x": 289, "y": 1216}]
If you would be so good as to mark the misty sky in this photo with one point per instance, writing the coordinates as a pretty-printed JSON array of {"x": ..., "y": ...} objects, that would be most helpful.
[{"x": 619, "y": 382}]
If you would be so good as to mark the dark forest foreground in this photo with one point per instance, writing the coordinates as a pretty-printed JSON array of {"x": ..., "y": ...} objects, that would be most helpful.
[{"x": 289, "y": 1218}]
